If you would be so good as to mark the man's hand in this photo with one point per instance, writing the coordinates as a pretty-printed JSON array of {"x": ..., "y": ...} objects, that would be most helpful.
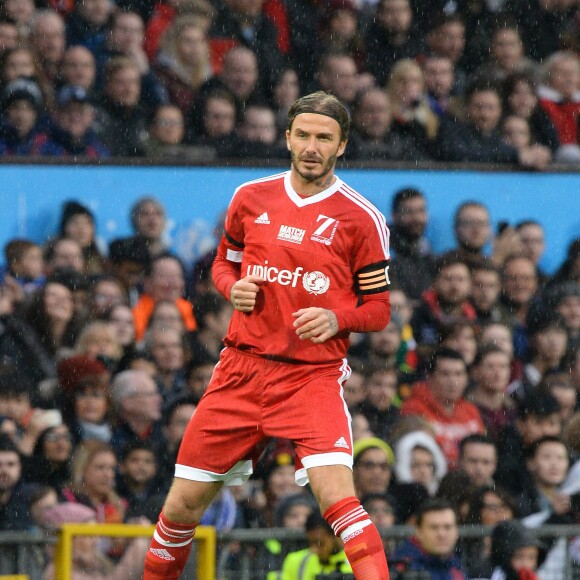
[
  {"x": 243, "y": 293},
  {"x": 536, "y": 157},
  {"x": 316, "y": 324}
]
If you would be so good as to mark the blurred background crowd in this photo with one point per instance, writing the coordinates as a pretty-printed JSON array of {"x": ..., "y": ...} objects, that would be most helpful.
[
  {"x": 490, "y": 81},
  {"x": 468, "y": 396}
]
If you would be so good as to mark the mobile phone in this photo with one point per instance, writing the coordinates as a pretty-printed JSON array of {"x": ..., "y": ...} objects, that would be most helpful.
[
  {"x": 52, "y": 418},
  {"x": 502, "y": 226}
]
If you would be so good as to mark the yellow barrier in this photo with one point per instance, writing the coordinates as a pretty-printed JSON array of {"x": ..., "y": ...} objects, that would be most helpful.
[
  {"x": 205, "y": 536},
  {"x": 15, "y": 577}
]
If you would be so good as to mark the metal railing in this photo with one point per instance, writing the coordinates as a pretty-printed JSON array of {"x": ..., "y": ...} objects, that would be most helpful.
[{"x": 243, "y": 555}]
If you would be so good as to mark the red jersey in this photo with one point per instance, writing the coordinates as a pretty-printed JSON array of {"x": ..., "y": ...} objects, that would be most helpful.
[{"x": 329, "y": 250}]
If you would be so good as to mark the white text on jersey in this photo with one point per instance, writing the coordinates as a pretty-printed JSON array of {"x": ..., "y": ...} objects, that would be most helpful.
[
  {"x": 291, "y": 234},
  {"x": 273, "y": 274}
]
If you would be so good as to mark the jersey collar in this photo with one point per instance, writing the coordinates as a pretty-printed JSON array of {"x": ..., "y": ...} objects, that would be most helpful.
[{"x": 303, "y": 201}]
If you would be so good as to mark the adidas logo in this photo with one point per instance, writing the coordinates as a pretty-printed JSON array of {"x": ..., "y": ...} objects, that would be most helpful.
[
  {"x": 263, "y": 219},
  {"x": 163, "y": 554},
  {"x": 341, "y": 442}
]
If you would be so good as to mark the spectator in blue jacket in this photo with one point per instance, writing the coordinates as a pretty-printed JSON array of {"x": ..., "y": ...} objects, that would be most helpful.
[
  {"x": 432, "y": 548},
  {"x": 71, "y": 133}
]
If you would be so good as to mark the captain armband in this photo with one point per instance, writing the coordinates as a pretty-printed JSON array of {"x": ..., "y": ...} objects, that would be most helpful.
[
  {"x": 372, "y": 279},
  {"x": 234, "y": 255}
]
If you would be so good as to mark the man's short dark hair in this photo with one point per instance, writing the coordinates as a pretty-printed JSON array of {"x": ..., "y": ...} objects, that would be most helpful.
[
  {"x": 449, "y": 259},
  {"x": 444, "y": 352},
  {"x": 403, "y": 195},
  {"x": 485, "y": 351},
  {"x": 174, "y": 404},
  {"x": 207, "y": 303},
  {"x": 533, "y": 448},
  {"x": 16, "y": 249},
  {"x": 476, "y": 439},
  {"x": 131, "y": 249},
  {"x": 435, "y": 504},
  {"x": 13, "y": 383},
  {"x": 464, "y": 205},
  {"x": 315, "y": 521},
  {"x": 164, "y": 256},
  {"x": 7, "y": 445},
  {"x": 323, "y": 104},
  {"x": 538, "y": 405}
]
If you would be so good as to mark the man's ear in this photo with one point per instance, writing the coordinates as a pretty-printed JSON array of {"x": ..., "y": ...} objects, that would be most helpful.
[
  {"x": 288, "y": 140},
  {"x": 341, "y": 148}
]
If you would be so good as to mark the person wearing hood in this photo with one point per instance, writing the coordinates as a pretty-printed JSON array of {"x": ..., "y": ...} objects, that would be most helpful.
[
  {"x": 515, "y": 552},
  {"x": 71, "y": 133},
  {"x": 432, "y": 548},
  {"x": 419, "y": 460},
  {"x": 19, "y": 124}
]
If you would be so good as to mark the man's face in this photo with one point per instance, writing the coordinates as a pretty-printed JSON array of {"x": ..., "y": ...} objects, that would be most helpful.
[
  {"x": 76, "y": 119},
  {"x": 484, "y": 110},
  {"x": 124, "y": 87},
  {"x": 381, "y": 388},
  {"x": 129, "y": 274},
  {"x": 439, "y": 76},
  {"x": 395, "y": 15},
  {"x": 8, "y": 36},
  {"x": 507, "y": 48},
  {"x": 68, "y": 254},
  {"x": 422, "y": 466},
  {"x": 168, "y": 126},
  {"x": 178, "y": 423},
  {"x": 485, "y": 289},
  {"x": 411, "y": 217},
  {"x": 166, "y": 281},
  {"x": 372, "y": 472},
  {"x": 259, "y": 126},
  {"x": 10, "y": 470},
  {"x": 95, "y": 12},
  {"x": 240, "y": 72},
  {"x": 339, "y": 77},
  {"x": 493, "y": 373},
  {"x": 354, "y": 389},
  {"x": 438, "y": 533},
  {"x": 78, "y": 67},
  {"x": 533, "y": 427},
  {"x": 386, "y": 342},
  {"x": 551, "y": 344},
  {"x": 472, "y": 228},
  {"x": 49, "y": 38},
  {"x": 448, "y": 380},
  {"x": 479, "y": 461},
  {"x": 520, "y": 280},
  {"x": 533, "y": 241},
  {"x": 145, "y": 402},
  {"x": 219, "y": 117},
  {"x": 565, "y": 77},
  {"x": 139, "y": 466},
  {"x": 167, "y": 350},
  {"x": 372, "y": 117},
  {"x": 322, "y": 543},
  {"x": 127, "y": 33},
  {"x": 18, "y": 64},
  {"x": 453, "y": 284},
  {"x": 15, "y": 406},
  {"x": 448, "y": 40},
  {"x": 549, "y": 466},
  {"x": 314, "y": 142},
  {"x": 150, "y": 221}
]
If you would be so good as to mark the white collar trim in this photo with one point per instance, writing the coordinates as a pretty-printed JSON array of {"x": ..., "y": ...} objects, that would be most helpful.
[{"x": 303, "y": 201}]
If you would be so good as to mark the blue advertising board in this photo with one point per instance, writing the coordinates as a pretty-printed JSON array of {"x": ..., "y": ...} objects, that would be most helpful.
[{"x": 31, "y": 197}]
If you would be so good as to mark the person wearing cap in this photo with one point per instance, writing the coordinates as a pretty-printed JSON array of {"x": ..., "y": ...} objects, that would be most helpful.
[
  {"x": 71, "y": 133},
  {"x": 21, "y": 105},
  {"x": 372, "y": 466},
  {"x": 515, "y": 552}
]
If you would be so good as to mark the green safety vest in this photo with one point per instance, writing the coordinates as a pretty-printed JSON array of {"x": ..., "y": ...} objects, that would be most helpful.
[{"x": 304, "y": 565}]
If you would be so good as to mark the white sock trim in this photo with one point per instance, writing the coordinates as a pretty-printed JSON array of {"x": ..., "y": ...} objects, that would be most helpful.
[
  {"x": 354, "y": 530},
  {"x": 167, "y": 544}
]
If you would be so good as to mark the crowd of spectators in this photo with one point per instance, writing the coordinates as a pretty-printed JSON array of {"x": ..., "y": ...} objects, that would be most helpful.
[
  {"x": 483, "y": 81},
  {"x": 468, "y": 396}
]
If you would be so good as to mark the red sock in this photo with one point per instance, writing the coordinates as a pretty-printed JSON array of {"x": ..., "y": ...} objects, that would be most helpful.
[
  {"x": 169, "y": 550},
  {"x": 362, "y": 543}
]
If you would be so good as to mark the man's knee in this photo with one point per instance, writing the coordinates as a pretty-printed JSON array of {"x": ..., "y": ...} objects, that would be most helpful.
[{"x": 187, "y": 500}]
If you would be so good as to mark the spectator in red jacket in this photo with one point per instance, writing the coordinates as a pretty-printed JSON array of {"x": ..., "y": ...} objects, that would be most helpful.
[{"x": 440, "y": 401}]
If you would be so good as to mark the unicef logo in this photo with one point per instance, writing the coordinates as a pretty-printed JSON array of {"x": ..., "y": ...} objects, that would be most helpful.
[{"x": 315, "y": 282}]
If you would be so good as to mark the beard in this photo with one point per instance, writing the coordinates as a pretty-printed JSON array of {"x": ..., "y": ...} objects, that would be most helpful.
[{"x": 313, "y": 175}]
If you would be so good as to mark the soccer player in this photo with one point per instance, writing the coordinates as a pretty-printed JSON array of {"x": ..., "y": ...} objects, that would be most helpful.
[{"x": 304, "y": 261}]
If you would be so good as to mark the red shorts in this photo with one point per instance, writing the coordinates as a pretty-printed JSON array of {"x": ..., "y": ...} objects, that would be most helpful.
[{"x": 250, "y": 399}]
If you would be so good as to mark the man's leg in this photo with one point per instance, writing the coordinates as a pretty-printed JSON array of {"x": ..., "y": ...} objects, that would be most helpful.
[
  {"x": 334, "y": 490},
  {"x": 173, "y": 537}
]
